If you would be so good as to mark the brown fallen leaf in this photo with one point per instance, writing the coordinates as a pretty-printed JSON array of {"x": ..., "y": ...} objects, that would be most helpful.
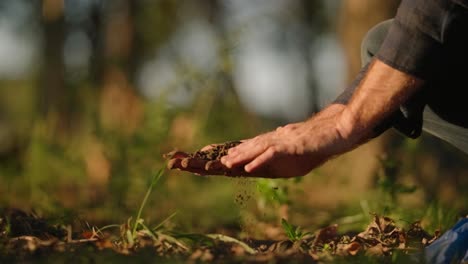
[
  {"x": 325, "y": 235},
  {"x": 353, "y": 248}
]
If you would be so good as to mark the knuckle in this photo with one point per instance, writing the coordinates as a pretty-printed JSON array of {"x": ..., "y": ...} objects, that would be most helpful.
[
  {"x": 291, "y": 126},
  {"x": 272, "y": 150},
  {"x": 257, "y": 138},
  {"x": 264, "y": 144}
]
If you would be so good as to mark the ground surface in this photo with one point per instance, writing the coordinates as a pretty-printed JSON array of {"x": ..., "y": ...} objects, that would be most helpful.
[{"x": 24, "y": 237}]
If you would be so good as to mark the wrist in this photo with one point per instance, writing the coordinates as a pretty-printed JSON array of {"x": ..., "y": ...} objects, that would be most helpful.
[
  {"x": 348, "y": 128},
  {"x": 337, "y": 128}
]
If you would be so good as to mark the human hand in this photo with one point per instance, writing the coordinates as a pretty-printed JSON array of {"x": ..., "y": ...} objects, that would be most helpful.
[
  {"x": 292, "y": 150},
  {"x": 289, "y": 151},
  {"x": 277, "y": 154}
]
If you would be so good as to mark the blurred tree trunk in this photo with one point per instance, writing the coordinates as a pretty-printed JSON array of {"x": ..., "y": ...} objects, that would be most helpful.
[
  {"x": 120, "y": 108},
  {"x": 96, "y": 32},
  {"x": 312, "y": 16},
  {"x": 54, "y": 99},
  {"x": 356, "y": 18}
]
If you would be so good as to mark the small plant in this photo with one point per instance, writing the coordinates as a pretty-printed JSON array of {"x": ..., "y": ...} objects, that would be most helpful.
[
  {"x": 293, "y": 232},
  {"x": 138, "y": 220},
  {"x": 271, "y": 192},
  {"x": 273, "y": 198},
  {"x": 133, "y": 230}
]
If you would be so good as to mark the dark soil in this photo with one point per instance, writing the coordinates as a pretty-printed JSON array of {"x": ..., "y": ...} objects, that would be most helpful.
[{"x": 216, "y": 152}]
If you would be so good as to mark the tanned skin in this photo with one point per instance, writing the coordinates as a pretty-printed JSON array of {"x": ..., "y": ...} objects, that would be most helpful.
[{"x": 296, "y": 149}]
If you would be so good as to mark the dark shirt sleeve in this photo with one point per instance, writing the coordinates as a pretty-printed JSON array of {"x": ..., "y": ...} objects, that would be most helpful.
[{"x": 416, "y": 40}]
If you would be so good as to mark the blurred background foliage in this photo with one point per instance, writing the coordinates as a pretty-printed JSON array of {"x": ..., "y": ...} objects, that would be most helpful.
[{"x": 93, "y": 92}]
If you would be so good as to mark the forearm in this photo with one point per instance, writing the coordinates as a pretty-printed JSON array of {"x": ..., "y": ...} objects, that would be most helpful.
[{"x": 380, "y": 93}]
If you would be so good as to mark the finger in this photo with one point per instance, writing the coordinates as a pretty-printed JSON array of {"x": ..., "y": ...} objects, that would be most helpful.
[
  {"x": 205, "y": 148},
  {"x": 175, "y": 154},
  {"x": 187, "y": 164},
  {"x": 244, "y": 153},
  {"x": 215, "y": 171},
  {"x": 216, "y": 168},
  {"x": 261, "y": 160},
  {"x": 241, "y": 148},
  {"x": 214, "y": 165},
  {"x": 235, "y": 149},
  {"x": 176, "y": 163},
  {"x": 193, "y": 163},
  {"x": 208, "y": 147}
]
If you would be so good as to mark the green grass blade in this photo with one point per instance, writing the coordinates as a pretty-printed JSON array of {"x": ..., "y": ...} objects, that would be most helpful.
[
  {"x": 164, "y": 221},
  {"x": 149, "y": 231},
  {"x": 107, "y": 227},
  {"x": 154, "y": 180}
]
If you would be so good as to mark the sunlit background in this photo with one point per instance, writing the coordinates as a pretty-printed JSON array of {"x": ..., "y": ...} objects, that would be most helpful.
[{"x": 93, "y": 92}]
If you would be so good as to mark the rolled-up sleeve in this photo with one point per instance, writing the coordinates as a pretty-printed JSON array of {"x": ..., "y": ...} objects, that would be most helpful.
[{"x": 415, "y": 41}]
